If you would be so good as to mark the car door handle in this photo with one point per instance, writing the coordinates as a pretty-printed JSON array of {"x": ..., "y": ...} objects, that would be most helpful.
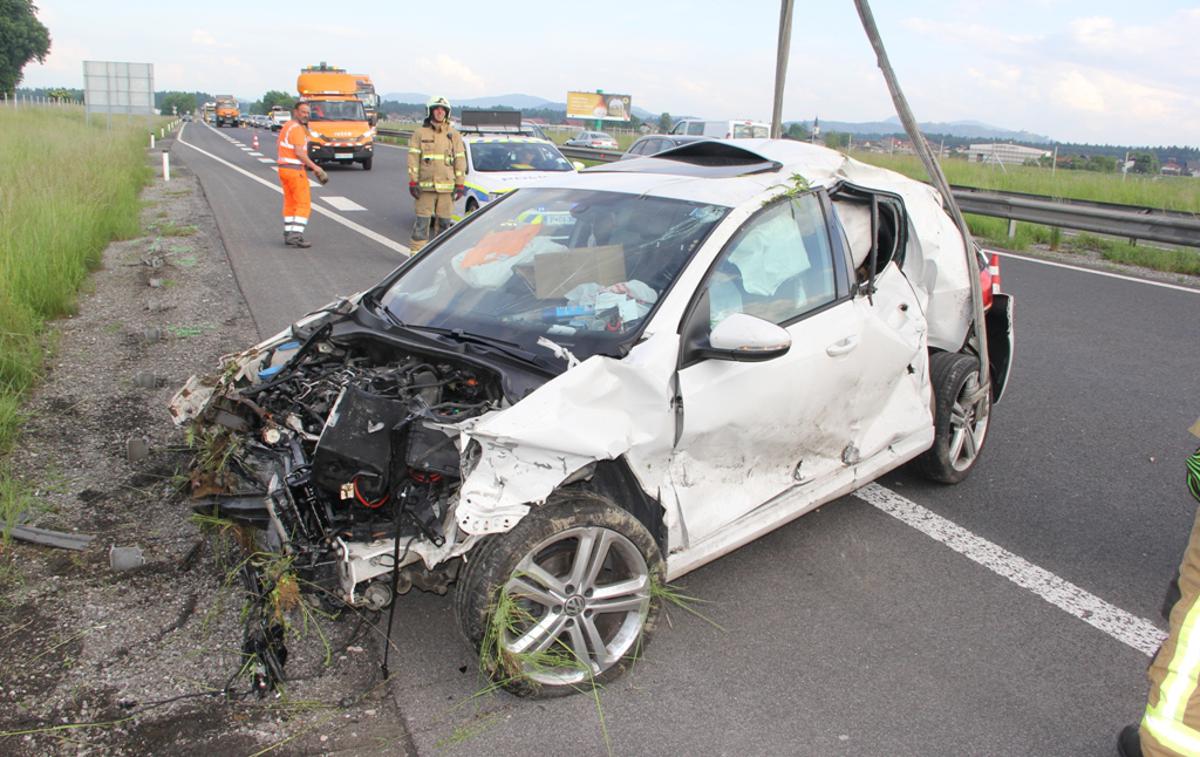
[{"x": 842, "y": 347}]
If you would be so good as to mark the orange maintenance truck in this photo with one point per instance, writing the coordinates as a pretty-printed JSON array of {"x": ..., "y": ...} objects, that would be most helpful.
[
  {"x": 338, "y": 131},
  {"x": 227, "y": 111}
]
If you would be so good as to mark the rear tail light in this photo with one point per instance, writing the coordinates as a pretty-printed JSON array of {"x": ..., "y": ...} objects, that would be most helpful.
[{"x": 989, "y": 278}]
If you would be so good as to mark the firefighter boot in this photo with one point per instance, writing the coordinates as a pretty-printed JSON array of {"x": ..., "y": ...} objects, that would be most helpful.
[
  {"x": 294, "y": 239},
  {"x": 443, "y": 224},
  {"x": 1129, "y": 742},
  {"x": 420, "y": 232}
]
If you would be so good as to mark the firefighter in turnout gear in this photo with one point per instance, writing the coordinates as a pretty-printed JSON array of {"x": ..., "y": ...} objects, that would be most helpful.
[
  {"x": 437, "y": 167},
  {"x": 293, "y": 163},
  {"x": 1171, "y": 724}
]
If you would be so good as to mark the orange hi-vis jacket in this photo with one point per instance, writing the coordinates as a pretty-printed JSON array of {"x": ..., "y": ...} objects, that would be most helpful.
[
  {"x": 293, "y": 142},
  {"x": 437, "y": 158}
]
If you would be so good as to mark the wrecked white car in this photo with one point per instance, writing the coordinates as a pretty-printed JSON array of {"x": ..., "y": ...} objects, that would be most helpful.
[{"x": 595, "y": 386}]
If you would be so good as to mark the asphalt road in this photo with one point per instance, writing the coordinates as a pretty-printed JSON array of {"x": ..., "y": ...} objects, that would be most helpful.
[{"x": 848, "y": 631}]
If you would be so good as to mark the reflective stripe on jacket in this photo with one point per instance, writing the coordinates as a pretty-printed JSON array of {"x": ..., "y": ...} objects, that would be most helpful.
[
  {"x": 437, "y": 158},
  {"x": 292, "y": 137}
]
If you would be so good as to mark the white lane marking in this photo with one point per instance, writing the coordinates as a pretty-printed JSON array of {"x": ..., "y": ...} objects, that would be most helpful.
[
  {"x": 342, "y": 203},
  {"x": 245, "y": 149},
  {"x": 1125, "y": 627},
  {"x": 375, "y": 236},
  {"x": 266, "y": 160},
  {"x": 1123, "y": 277},
  {"x": 255, "y": 154}
]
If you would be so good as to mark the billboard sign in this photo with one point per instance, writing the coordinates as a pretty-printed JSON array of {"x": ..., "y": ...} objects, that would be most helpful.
[
  {"x": 110, "y": 87},
  {"x": 598, "y": 106}
]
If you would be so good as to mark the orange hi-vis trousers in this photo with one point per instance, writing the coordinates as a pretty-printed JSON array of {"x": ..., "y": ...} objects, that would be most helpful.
[{"x": 297, "y": 201}]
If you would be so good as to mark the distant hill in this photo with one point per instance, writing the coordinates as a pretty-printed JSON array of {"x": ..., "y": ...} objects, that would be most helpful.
[{"x": 962, "y": 129}]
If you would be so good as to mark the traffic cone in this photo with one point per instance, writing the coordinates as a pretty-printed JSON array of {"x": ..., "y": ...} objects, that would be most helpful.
[{"x": 254, "y": 144}]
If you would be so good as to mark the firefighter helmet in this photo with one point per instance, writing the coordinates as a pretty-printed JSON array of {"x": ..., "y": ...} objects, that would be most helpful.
[{"x": 437, "y": 101}]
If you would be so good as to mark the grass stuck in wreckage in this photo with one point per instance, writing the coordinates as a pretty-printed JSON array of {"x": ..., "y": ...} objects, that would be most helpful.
[{"x": 67, "y": 189}]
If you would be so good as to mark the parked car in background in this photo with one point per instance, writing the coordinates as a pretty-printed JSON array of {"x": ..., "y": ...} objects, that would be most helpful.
[
  {"x": 595, "y": 139},
  {"x": 598, "y": 384},
  {"x": 723, "y": 129},
  {"x": 499, "y": 163},
  {"x": 652, "y": 144}
]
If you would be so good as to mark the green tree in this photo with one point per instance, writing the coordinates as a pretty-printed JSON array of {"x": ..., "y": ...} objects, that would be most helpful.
[
  {"x": 665, "y": 123},
  {"x": 798, "y": 131},
  {"x": 22, "y": 38},
  {"x": 182, "y": 102},
  {"x": 271, "y": 98},
  {"x": 836, "y": 140},
  {"x": 1144, "y": 162}
]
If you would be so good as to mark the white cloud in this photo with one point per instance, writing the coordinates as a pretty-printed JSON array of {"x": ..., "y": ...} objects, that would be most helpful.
[
  {"x": 203, "y": 38},
  {"x": 449, "y": 74},
  {"x": 1095, "y": 33},
  {"x": 1078, "y": 92},
  {"x": 970, "y": 34}
]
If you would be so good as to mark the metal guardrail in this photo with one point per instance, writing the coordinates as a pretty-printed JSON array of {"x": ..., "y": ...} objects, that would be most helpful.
[
  {"x": 1099, "y": 218},
  {"x": 1128, "y": 221}
]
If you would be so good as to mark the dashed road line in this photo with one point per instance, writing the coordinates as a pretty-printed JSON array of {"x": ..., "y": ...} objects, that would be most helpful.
[
  {"x": 255, "y": 154},
  {"x": 342, "y": 203},
  {"x": 1135, "y": 632},
  {"x": 266, "y": 160},
  {"x": 374, "y": 236}
]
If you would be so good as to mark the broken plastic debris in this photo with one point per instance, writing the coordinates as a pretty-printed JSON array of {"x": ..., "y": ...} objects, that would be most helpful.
[{"x": 125, "y": 558}]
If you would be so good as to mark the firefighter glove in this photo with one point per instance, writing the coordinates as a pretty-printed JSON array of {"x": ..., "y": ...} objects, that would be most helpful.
[
  {"x": 459, "y": 191},
  {"x": 413, "y": 190}
]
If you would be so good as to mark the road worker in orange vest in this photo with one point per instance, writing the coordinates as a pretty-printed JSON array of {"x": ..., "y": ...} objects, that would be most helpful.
[
  {"x": 1170, "y": 726},
  {"x": 437, "y": 168},
  {"x": 293, "y": 163}
]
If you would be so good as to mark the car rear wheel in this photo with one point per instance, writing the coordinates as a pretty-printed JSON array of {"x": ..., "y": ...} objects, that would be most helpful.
[
  {"x": 961, "y": 417},
  {"x": 562, "y": 602},
  {"x": 472, "y": 205}
]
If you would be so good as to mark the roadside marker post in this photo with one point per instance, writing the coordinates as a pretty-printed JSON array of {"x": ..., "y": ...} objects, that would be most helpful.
[
  {"x": 151, "y": 140},
  {"x": 166, "y": 165}
]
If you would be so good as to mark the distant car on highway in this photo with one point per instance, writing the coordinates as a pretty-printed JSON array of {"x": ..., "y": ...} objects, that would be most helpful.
[
  {"x": 499, "y": 163},
  {"x": 723, "y": 129},
  {"x": 652, "y": 144},
  {"x": 595, "y": 139}
]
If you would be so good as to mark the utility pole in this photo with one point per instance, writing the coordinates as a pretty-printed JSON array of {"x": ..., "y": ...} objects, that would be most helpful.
[
  {"x": 781, "y": 58},
  {"x": 937, "y": 177}
]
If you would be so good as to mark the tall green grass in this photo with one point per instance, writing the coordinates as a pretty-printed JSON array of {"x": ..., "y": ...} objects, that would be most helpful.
[{"x": 66, "y": 190}]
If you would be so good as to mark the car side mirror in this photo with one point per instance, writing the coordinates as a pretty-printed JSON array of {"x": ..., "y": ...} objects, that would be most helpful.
[
  {"x": 579, "y": 166},
  {"x": 747, "y": 339}
]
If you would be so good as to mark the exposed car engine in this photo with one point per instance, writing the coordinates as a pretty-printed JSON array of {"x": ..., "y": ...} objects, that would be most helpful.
[{"x": 334, "y": 442}]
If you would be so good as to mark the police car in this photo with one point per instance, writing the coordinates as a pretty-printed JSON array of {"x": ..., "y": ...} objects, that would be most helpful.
[{"x": 503, "y": 156}]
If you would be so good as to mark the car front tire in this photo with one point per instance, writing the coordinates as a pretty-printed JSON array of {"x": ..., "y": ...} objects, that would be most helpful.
[
  {"x": 960, "y": 420},
  {"x": 563, "y": 602}
]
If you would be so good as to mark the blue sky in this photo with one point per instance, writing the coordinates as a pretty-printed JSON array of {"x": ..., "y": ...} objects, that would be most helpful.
[{"x": 1114, "y": 72}]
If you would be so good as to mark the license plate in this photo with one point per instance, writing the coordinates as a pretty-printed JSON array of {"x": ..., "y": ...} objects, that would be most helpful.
[{"x": 343, "y": 155}]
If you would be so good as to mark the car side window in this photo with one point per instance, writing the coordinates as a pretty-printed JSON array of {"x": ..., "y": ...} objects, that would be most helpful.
[
  {"x": 639, "y": 148},
  {"x": 696, "y": 128},
  {"x": 778, "y": 266}
]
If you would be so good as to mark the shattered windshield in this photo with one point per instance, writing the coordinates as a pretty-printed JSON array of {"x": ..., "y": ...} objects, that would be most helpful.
[
  {"x": 582, "y": 268},
  {"x": 517, "y": 156}
]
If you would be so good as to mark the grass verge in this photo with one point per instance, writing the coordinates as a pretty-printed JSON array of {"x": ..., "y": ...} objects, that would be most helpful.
[{"x": 66, "y": 190}]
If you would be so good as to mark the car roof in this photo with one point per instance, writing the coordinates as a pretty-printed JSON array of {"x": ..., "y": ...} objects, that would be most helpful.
[{"x": 732, "y": 172}]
